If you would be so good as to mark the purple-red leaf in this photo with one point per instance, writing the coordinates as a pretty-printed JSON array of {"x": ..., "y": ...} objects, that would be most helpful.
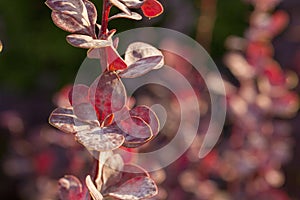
[
  {"x": 146, "y": 114},
  {"x": 75, "y": 16},
  {"x": 68, "y": 23},
  {"x": 92, "y": 11},
  {"x": 135, "y": 130},
  {"x": 87, "y": 42},
  {"x": 107, "y": 94},
  {"x": 133, "y": 15},
  {"x": 65, "y": 120},
  {"x": 135, "y": 189},
  {"x": 70, "y": 188},
  {"x": 141, "y": 67},
  {"x": 139, "y": 50}
]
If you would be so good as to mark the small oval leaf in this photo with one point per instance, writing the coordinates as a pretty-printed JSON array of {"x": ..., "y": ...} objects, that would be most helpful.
[
  {"x": 152, "y": 8},
  {"x": 133, "y": 15},
  {"x": 141, "y": 67},
  {"x": 135, "y": 189},
  {"x": 70, "y": 188},
  {"x": 98, "y": 141},
  {"x": 138, "y": 50},
  {"x": 121, "y": 6},
  {"x": 87, "y": 42}
]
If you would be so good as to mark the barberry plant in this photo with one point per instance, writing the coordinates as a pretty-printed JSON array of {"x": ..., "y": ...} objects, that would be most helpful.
[{"x": 98, "y": 115}]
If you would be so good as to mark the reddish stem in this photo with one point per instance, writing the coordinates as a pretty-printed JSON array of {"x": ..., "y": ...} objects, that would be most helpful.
[{"x": 105, "y": 15}]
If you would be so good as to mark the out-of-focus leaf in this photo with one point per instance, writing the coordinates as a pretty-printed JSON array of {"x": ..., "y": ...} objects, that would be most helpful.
[
  {"x": 96, "y": 195},
  {"x": 133, "y": 15},
  {"x": 133, "y": 3},
  {"x": 72, "y": 15},
  {"x": 65, "y": 120},
  {"x": 112, "y": 171},
  {"x": 135, "y": 130},
  {"x": 121, "y": 6},
  {"x": 78, "y": 94},
  {"x": 107, "y": 94},
  {"x": 146, "y": 114},
  {"x": 1, "y": 46},
  {"x": 85, "y": 111},
  {"x": 138, "y": 50},
  {"x": 152, "y": 8},
  {"x": 98, "y": 140},
  {"x": 87, "y": 42},
  {"x": 70, "y": 188},
  {"x": 141, "y": 67},
  {"x": 137, "y": 188}
]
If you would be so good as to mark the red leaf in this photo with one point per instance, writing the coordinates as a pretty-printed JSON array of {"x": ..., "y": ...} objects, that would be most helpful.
[
  {"x": 135, "y": 130},
  {"x": 148, "y": 116},
  {"x": 107, "y": 94},
  {"x": 152, "y": 8},
  {"x": 114, "y": 60}
]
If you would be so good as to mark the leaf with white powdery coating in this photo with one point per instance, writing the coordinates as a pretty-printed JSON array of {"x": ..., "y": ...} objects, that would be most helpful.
[
  {"x": 99, "y": 141},
  {"x": 137, "y": 50},
  {"x": 65, "y": 120},
  {"x": 133, "y": 3},
  {"x": 136, "y": 188},
  {"x": 141, "y": 67},
  {"x": 86, "y": 42},
  {"x": 133, "y": 15},
  {"x": 75, "y": 16}
]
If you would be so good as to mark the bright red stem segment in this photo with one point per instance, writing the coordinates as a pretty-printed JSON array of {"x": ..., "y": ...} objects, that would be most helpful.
[{"x": 105, "y": 16}]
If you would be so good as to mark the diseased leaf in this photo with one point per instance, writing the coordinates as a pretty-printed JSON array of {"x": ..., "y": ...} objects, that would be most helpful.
[
  {"x": 85, "y": 112},
  {"x": 152, "y": 8},
  {"x": 138, "y": 50},
  {"x": 137, "y": 188},
  {"x": 87, "y": 42},
  {"x": 107, "y": 94},
  {"x": 141, "y": 67},
  {"x": 133, "y": 3},
  {"x": 135, "y": 131},
  {"x": 70, "y": 188},
  {"x": 96, "y": 195},
  {"x": 65, "y": 120},
  {"x": 148, "y": 116},
  {"x": 98, "y": 141},
  {"x": 68, "y": 23},
  {"x": 112, "y": 171},
  {"x": 79, "y": 94},
  {"x": 133, "y": 15},
  {"x": 121, "y": 6}
]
